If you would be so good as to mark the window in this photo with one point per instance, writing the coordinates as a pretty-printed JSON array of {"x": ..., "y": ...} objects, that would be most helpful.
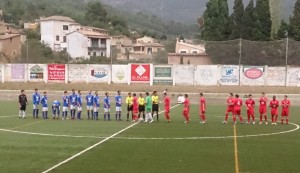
[
  {"x": 103, "y": 41},
  {"x": 64, "y": 39},
  {"x": 102, "y": 54},
  {"x": 89, "y": 53},
  {"x": 183, "y": 51},
  {"x": 94, "y": 53},
  {"x": 65, "y": 27},
  {"x": 95, "y": 42},
  {"x": 143, "y": 49},
  {"x": 195, "y": 51},
  {"x": 57, "y": 38}
]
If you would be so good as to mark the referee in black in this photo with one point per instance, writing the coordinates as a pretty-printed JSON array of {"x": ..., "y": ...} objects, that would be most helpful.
[
  {"x": 155, "y": 106},
  {"x": 23, "y": 103}
]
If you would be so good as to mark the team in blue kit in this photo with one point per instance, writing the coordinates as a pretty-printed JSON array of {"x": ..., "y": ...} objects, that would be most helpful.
[{"x": 74, "y": 102}]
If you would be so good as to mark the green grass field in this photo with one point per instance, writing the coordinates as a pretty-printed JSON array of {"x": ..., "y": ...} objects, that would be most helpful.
[{"x": 158, "y": 147}]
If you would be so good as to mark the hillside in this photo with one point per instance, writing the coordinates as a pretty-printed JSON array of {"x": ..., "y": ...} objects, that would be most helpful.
[{"x": 178, "y": 10}]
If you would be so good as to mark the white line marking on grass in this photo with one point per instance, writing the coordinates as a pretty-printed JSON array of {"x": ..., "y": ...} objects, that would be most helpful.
[
  {"x": 8, "y": 116},
  {"x": 149, "y": 138},
  {"x": 93, "y": 146},
  {"x": 236, "y": 156}
]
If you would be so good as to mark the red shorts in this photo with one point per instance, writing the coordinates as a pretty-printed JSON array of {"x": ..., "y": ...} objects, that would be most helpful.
[
  {"x": 167, "y": 110},
  {"x": 274, "y": 112},
  {"x": 185, "y": 113},
  {"x": 230, "y": 109},
  {"x": 285, "y": 113},
  {"x": 262, "y": 110},
  {"x": 237, "y": 112},
  {"x": 250, "y": 112}
]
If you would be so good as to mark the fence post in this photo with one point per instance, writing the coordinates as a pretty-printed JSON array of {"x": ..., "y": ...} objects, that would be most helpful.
[
  {"x": 286, "y": 60},
  {"x": 240, "y": 60}
]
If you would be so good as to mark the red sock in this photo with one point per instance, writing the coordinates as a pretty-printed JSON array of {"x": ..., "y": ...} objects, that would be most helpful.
[
  {"x": 234, "y": 118},
  {"x": 287, "y": 120},
  {"x": 248, "y": 118},
  {"x": 273, "y": 118},
  {"x": 204, "y": 117},
  {"x": 253, "y": 118},
  {"x": 226, "y": 117},
  {"x": 260, "y": 118},
  {"x": 241, "y": 118},
  {"x": 266, "y": 118}
]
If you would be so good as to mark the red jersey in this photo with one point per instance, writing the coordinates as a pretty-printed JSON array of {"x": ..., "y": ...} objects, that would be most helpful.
[
  {"x": 202, "y": 104},
  {"x": 237, "y": 103},
  {"x": 274, "y": 104},
  {"x": 250, "y": 103},
  {"x": 263, "y": 102},
  {"x": 186, "y": 105},
  {"x": 135, "y": 104},
  {"x": 167, "y": 101},
  {"x": 230, "y": 102},
  {"x": 285, "y": 104}
]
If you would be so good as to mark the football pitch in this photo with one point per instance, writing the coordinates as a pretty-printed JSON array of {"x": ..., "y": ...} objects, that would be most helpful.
[{"x": 32, "y": 146}]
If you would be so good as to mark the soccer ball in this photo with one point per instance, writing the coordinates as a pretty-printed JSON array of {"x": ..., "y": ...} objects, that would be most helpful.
[{"x": 141, "y": 120}]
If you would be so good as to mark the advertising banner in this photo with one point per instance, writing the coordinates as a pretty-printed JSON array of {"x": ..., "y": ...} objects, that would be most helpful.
[
  {"x": 276, "y": 76},
  {"x": 120, "y": 74},
  {"x": 15, "y": 72},
  {"x": 293, "y": 76},
  {"x": 99, "y": 73},
  {"x": 253, "y": 75},
  {"x": 184, "y": 74},
  {"x": 229, "y": 75},
  {"x": 36, "y": 72},
  {"x": 163, "y": 75},
  {"x": 78, "y": 73},
  {"x": 207, "y": 75},
  {"x": 56, "y": 72},
  {"x": 1, "y": 73},
  {"x": 140, "y": 73}
]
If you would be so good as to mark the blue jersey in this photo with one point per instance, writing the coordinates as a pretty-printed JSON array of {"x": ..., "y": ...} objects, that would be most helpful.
[
  {"x": 65, "y": 101},
  {"x": 106, "y": 102},
  {"x": 73, "y": 99},
  {"x": 36, "y": 98},
  {"x": 89, "y": 100},
  {"x": 44, "y": 101},
  {"x": 79, "y": 100},
  {"x": 118, "y": 99},
  {"x": 56, "y": 103},
  {"x": 97, "y": 101}
]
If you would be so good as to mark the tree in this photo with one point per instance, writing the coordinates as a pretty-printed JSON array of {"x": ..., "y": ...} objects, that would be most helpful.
[
  {"x": 95, "y": 12},
  {"x": 283, "y": 30},
  {"x": 263, "y": 20},
  {"x": 216, "y": 21},
  {"x": 295, "y": 22},
  {"x": 237, "y": 17},
  {"x": 276, "y": 13},
  {"x": 248, "y": 26}
]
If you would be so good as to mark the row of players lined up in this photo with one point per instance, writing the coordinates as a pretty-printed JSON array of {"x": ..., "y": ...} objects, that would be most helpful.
[
  {"x": 148, "y": 106},
  {"x": 234, "y": 105}
]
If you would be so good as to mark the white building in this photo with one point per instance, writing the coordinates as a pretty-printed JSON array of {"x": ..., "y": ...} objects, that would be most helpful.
[
  {"x": 63, "y": 33},
  {"x": 84, "y": 43},
  {"x": 54, "y": 30}
]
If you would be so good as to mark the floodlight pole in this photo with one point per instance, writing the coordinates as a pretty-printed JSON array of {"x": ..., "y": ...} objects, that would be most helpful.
[
  {"x": 240, "y": 60},
  {"x": 286, "y": 59}
]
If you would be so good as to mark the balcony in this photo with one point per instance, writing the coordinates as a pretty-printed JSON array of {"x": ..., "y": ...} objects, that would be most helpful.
[{"x": 97, "y": 46}]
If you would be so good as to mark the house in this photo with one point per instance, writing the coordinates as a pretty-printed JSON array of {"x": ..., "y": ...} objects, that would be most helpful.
[
  {"x": 146, "y": 39},
  {"x": 88, "y": 42},
  {"x": 187, "y": 53},
  {"x": 6, "y": 28},
  {"x": 10, "y": 47},
  {"x": 147, "y": 48},
  {"x": 54, "y": 30},
  {"x": 31, "y": 25}
]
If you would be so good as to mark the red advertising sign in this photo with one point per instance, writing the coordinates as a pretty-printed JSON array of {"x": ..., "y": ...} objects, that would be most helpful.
[
  {"x": 253, "y": 73},
  {"x": 140, "y": 72},
  {"x": 56, "y": 72}
]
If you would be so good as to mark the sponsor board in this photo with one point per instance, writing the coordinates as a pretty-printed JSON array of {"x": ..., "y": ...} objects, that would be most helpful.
[
  {"x": 229, "y": 75},
  {"x": 56, "y": 72},
  {"x": 99, "y": 73},
  {"x": 293, "y": 76},
  {"x": 120, "y": 74},
  {"x": 207, "y": 75},
  {"x": 140, "y": 73},
  {"x": 36, "y": 72},
  {"x": 162, "y": 82},
  {"x": 163, "y": 75},
  {"x": 184, "y": 74},
  {"x": 276, "y": 76},
  {"x": 18, "y": 71},
  {"x": 253, "y": 75},
  {"x": 77, "y": 73}
]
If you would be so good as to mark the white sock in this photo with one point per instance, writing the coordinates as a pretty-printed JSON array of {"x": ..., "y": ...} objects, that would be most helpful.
[
  {"x": 20, "y": 112},
  {"x": 24, "y": 114},
  {"x": 150, "y": 116}
]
